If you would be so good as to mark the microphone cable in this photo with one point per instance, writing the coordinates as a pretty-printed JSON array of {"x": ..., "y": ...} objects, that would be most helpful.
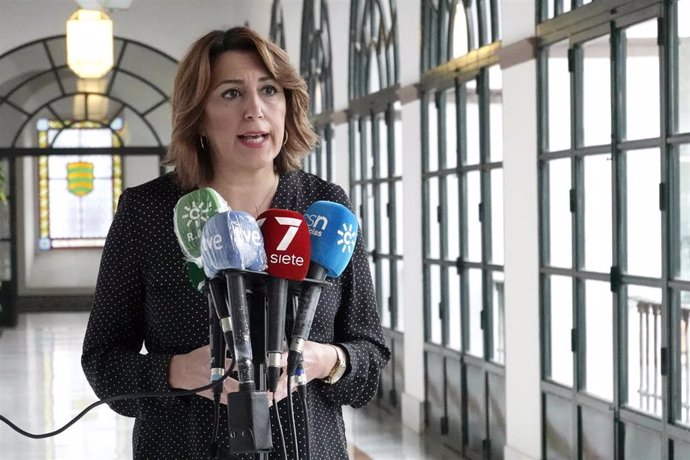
[
  {"x": 301, "y": 379},
  {"x": 280, "y": 428},
  {"x": 173, "y": 393},
  {"x": 291, "y": 412}
]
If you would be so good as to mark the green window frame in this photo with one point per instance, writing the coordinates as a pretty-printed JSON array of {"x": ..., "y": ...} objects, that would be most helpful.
[{"x": 614, "y": 208}]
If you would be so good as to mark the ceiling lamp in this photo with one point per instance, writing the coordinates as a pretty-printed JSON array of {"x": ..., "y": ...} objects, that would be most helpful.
[{"x": 90, "y": 43}]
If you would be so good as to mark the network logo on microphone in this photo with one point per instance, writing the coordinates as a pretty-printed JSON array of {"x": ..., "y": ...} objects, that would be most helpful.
[{"x": 348, "y": 238}]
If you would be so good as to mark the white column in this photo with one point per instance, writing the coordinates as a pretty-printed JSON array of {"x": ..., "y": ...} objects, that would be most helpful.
[
  {"x": 521, "y": 213},
  {"x": 412, "y": 301}
]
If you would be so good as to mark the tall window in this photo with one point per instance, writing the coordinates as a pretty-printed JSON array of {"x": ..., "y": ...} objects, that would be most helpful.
[
  {"x": 614, "y": 207},
  {"x": 78, "y": 194},
  {"x": 463, "y": 225},
  {"x": 376, "y": 163},
  {"x": 316, "y": 68}
]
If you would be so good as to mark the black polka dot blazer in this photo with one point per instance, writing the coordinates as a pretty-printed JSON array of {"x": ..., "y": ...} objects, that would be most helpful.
[{"x": 143, "y": 298}]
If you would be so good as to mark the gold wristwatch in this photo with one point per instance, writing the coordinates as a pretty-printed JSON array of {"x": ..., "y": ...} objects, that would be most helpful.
[{"x": 339, "y": 368}]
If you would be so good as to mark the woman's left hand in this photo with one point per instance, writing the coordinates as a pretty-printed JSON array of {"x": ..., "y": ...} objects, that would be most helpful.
[{"x": 318, "y": 359}]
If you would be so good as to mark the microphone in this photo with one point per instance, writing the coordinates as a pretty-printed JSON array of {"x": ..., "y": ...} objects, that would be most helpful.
[
  {"x": 232, "y": 240},
  {"x": 333, "y": 233},
  {"x": 231, "y": 244},
  {"x": 286, "y": 240},
  {"x": 190, "y": 214}
]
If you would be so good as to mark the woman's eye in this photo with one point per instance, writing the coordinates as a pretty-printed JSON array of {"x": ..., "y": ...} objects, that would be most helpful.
[
  {"x": 270, "y": 90},
  {"x": 231, "y": 94}
]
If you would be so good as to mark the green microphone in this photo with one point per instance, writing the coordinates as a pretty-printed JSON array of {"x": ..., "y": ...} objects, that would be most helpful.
[{"x": 191, "y": 213}]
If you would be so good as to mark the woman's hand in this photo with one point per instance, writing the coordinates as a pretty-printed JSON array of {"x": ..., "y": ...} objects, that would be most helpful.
[
  {"x": 192, "y": 370},
  {"x": 318, "y": 358}
]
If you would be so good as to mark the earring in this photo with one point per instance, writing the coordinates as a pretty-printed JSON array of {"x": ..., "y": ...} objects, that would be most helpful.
[
  {"x": 286, "y": 138},
  {"x": 203, "y": 140}
]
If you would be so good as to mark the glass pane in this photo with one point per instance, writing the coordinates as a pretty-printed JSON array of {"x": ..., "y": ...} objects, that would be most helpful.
[
  {"x": 453, "y": 217},
  {"x": 644, "y": 342},
  {"x": 597, "y": 92},
  {"x": 382, "y": 147},
  {"x": 460, "y": 33},
  {"x": 5, "y": 261},
  {"x": 399, "y": 217},
  {"x": 451, "y": 134},
  {"x": 599, "y": 338},
  {"x": 558, "y": 93},
  {"x": 435, "y": 289},
  {"x": 559, "y": 427},
  {"x": 384, "y": 246},
  {"x": 560, "y": 326},
  {"x": 598, "y": 213},
  {"x": 497, "y": 216},
  {"x": 642, "y": 443},
  {"x": 642, "y": 96},
  {"x": 474, "y": 226},
  {"x": 560, "y": 226},
  {"x": 681, "y": 449},
  {"x": 454, "y": 325},
  {"x": 642, "y": 211},
  {"x": 496, "y": 113},
  {"x": 472, "y": 124},
  {"x": 355, "y": 150},
  {"x": 684, "y": 212},
  {"x": 370, "y": 223},
  {"x": 683, "y": 66},
  {"x": 682, "y": 404},
  {"x": 434, "y": 227},
  {"x": 475, "y": 295},
  {"x": 368, "y": 155},
  {"x": 397, "y": 169},
  {"x": 399, "y": 264},
  {"x": 498, "y": 302},
  {"x": 385, "y": 289},
  {"x": 432, "y": 164},
  {"x": 597, "y": 435}
]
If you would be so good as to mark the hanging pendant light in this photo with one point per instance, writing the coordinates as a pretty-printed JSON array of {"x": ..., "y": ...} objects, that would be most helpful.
[{"x": 90, "y": 43}]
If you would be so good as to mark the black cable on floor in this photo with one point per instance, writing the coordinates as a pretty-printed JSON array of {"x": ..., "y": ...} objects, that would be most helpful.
[{"x": 174, "y": 393}]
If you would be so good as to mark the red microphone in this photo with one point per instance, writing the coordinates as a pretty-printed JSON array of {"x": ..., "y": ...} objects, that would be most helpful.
[{"x": 288, "y": 253}]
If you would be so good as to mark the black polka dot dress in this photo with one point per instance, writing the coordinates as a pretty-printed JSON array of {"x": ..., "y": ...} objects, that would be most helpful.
[{"x": 143, "y": 297}]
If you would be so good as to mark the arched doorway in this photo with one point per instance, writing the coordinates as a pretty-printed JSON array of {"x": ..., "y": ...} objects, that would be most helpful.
[{"x": 37, "y": 85}]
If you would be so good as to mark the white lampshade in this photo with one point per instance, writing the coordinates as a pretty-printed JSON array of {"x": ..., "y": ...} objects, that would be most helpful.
[{"x": 90, "y": 43}]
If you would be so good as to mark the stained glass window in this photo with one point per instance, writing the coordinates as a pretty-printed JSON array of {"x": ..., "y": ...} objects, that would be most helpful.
[{"x": 78, "y": 194}]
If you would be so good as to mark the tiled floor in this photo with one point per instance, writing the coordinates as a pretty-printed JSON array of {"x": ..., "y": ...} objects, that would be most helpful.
[{"x": 42, "y": 387}]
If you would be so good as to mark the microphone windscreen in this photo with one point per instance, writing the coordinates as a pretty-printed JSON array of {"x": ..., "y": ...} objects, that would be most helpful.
[
  {"x": 196, "y": 275},
  {"x": 191, "y": 213},
  {"x": 232, "y": 239},
  {"x": 286, "y": 240},
  {"x": 333, "y": 231}
]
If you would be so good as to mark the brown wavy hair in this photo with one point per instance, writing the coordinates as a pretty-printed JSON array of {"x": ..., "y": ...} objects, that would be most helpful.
[{"x": 192, "y": 84}]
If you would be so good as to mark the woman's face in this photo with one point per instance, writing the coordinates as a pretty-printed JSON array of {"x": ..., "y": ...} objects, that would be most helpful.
[{"x": 244, "y": 113}]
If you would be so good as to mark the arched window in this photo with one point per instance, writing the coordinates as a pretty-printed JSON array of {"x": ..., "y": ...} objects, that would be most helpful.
[
  {"x": 277, "y": 32},
  {"x": 316, "y": 68},
  {"x": 376, "y": 161},
  {"x": 462, "y": 179},
  {"x": 78, "y": 194}
]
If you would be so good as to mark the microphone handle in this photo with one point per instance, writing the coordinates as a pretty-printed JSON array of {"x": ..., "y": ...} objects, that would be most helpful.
[
  {"x": 277, "y": 304},
  {"x": 305, "y": 316},
  {"x": 217, "y": 342},
  {"x": 217, "y": 290},
  {"x": 239, "y": 313}
]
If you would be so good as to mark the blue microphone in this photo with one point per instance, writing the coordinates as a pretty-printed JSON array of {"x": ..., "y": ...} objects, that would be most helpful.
[
  {"x": 233, "y": 240},
  {"x": 333, "y": 232}
]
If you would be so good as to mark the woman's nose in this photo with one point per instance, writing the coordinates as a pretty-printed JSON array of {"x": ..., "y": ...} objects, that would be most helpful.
[{"x": 252, "y": 109}]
